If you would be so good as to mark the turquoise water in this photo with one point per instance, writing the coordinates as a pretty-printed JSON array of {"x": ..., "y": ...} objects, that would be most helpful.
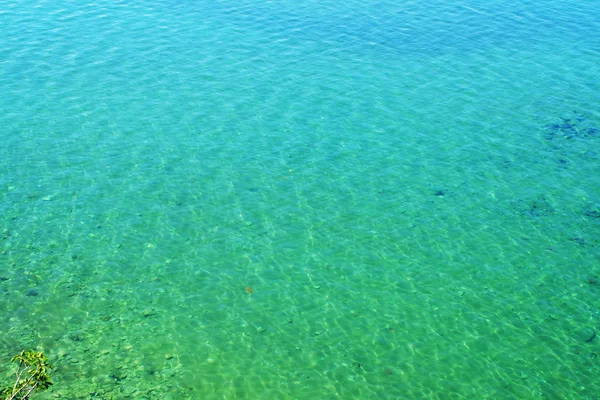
[{"x": 302, "y": 200}]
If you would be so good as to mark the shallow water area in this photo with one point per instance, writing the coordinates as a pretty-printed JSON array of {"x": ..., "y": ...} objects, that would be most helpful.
[{"x": 299, "y": 200}]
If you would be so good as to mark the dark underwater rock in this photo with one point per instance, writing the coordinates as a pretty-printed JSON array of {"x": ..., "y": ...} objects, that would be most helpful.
[
  {"x": 538, "y": 207},
  {"x": 578, "y": 240},
  {"x": 592, "y": 213},
  {"x": 587, "y": 335}
]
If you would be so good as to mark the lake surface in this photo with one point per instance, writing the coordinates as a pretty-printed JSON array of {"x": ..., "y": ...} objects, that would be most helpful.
[{"x": 302, "y": 199}]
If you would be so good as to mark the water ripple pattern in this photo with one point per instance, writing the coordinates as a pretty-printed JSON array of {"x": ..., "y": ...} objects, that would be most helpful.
[{"x": 302, "y": 199}]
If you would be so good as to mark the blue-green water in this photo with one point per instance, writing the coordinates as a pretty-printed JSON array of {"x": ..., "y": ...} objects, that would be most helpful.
[{"x": 302, "y": 199}]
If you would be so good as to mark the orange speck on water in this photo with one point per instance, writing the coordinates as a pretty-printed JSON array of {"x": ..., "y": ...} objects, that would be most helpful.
[{"x": 248, "y": 289}]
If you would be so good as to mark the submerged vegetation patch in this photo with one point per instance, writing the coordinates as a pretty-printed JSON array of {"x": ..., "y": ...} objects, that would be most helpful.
[
  {"x": 576, "y": 126},
  {"x": 572, "y": 139}
]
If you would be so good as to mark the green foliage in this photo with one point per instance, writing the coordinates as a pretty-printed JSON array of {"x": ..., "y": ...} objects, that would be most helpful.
[{"x": 32, "y": 375}]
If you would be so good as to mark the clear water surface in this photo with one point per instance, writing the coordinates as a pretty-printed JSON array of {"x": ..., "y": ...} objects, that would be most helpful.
[{"x": 302, "y": 199}]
